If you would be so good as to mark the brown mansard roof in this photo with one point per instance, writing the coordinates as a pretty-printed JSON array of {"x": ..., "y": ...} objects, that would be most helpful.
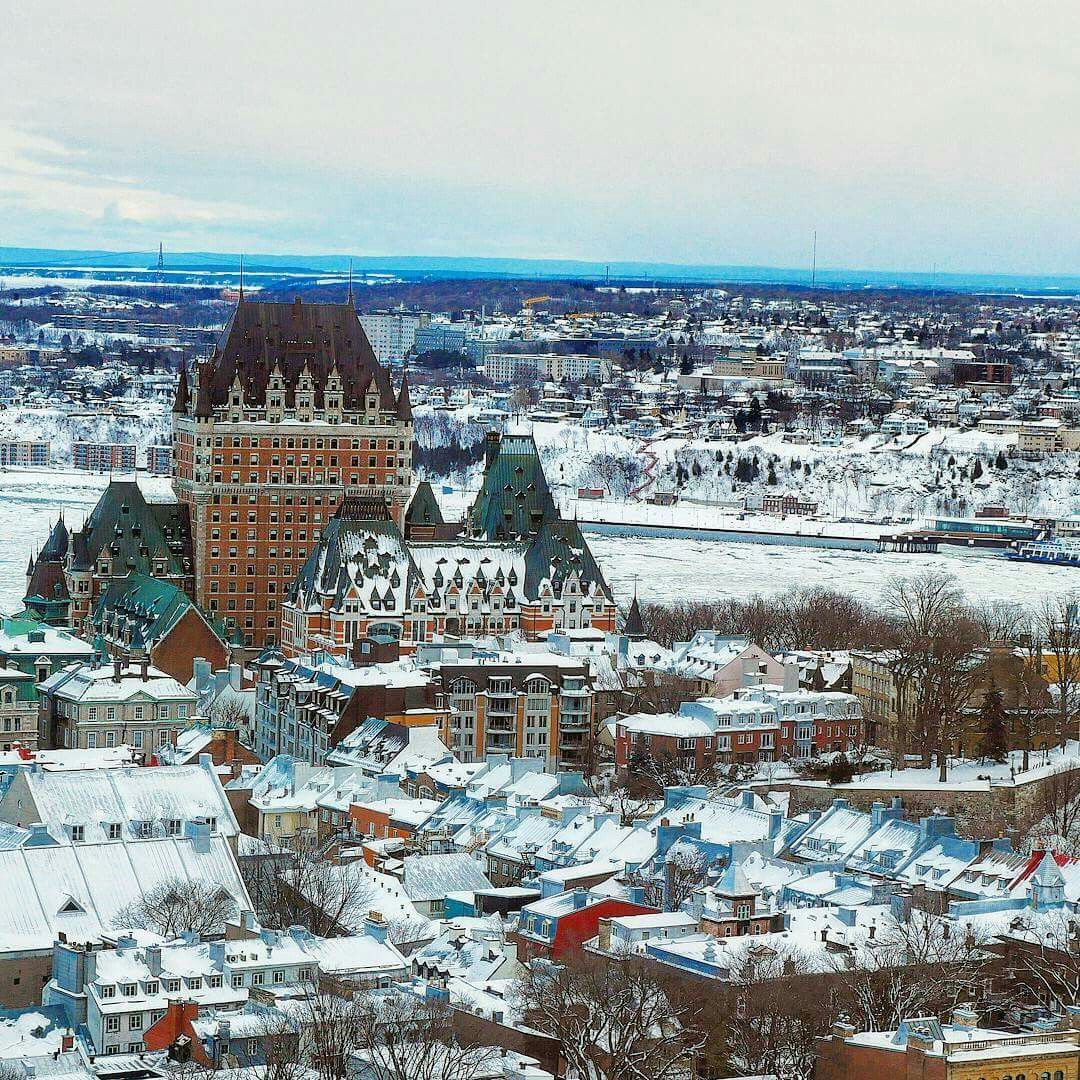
[{"x": 262, "y": 338}]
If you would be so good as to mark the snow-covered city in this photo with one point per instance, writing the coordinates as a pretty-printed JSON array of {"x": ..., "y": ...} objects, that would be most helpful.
[{"x": 491, "y": 590}]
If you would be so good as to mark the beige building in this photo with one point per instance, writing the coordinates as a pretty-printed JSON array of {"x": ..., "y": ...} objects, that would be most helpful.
[{"x": 88, "y": 707}]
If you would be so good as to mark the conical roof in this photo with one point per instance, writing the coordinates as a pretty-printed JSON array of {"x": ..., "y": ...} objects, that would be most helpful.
[{"x": 634, "y": 628}]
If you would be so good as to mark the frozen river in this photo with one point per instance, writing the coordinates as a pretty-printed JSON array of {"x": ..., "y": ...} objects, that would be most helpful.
[
  {"x": 708, "y": 570},
  {"x": 666, "y": 569}
]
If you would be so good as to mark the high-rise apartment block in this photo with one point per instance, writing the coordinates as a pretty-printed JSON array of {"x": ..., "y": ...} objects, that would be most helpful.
[{"x": 290, "y": 414}]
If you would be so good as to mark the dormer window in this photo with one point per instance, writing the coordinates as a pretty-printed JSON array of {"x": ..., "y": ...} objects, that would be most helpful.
[
  {"x": 77, "y": 833},
  {"x": 107, "y": 991},
  {"x": 128, "y": 989}
]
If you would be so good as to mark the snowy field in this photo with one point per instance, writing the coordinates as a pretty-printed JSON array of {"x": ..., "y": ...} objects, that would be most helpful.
[{"x": 665, "y": 570}]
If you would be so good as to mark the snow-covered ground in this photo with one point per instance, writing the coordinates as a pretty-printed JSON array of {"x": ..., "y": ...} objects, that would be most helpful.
[{"x": 144, "y": 423}]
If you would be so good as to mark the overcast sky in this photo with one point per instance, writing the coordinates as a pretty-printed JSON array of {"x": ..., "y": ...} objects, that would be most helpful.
[{"x": 910, "y": 135}]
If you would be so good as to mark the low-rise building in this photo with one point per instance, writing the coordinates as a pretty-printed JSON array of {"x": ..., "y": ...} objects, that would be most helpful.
[{"x": 92, "y": 706}]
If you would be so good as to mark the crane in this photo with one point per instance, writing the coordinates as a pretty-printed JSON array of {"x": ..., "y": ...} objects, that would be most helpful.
[{"x": 528, "y": 306}]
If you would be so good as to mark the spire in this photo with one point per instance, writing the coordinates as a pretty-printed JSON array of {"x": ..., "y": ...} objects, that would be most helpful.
[
  {"x": 404, "y": 406},
  {"x": 634, "y": 628},
  {"x": 183, "y": 393}
]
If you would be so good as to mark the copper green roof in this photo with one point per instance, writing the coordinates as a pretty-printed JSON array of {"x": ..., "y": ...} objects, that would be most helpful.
[{"x": 514, "y": 499}]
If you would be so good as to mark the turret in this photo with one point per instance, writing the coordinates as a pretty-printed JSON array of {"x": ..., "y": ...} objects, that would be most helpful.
[{"x": 183, "y": 394}]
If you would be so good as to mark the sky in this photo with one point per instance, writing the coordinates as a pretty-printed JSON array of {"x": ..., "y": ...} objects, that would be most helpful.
[{"x": 909, "y": 135}]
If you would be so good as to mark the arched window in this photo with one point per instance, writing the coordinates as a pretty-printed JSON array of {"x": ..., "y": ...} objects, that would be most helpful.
[{"x": 463, "y": 687}]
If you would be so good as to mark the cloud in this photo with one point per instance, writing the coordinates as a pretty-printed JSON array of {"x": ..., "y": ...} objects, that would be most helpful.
[{"x": 43, "y": 177}]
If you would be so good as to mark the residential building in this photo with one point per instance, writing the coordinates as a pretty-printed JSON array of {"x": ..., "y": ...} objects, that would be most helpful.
[
  {"x": 960, "y": 1050},
  {"x": 25, "y": 453},
  {"x": 720, "y": 664},
  {"x": 306, "y": 707},
  {"x": 104, "y": 457},
  {"x": 30, "y": 651},
  {"x": 144, "y": 616},
  {"x": 755, "y": 723},
  {"x": 122, "y": 993},
  {"x": 290, "y": 415},
  {"x": 91, "y": 706},
  {"x": 95, "y": 806},
  {"x": 77, "y": 891},
  {"x": 534, "y": 706}
]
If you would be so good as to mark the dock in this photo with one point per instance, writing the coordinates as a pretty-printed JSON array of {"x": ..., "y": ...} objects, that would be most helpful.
[{"x": 910, "y": 543}]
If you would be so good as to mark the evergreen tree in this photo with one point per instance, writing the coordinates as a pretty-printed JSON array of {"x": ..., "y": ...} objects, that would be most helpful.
[
  {"x": 976, "y": 470},
  {"x": 995, "y": 726},
  {"x": 840, "y": 770},
  {"x": 770, "y": 477},
  {"x": 754, "y": 417},
  {"x": 1000, "y": 462}
]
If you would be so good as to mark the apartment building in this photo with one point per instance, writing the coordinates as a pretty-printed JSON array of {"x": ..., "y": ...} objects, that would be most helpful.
[
  {"x": 26, "y": 453},
  {"x": 524, "y": 706},
  {"x": 393, "y": 333},
  {"x": 159, "y": 460},
  {"x": 103, "y": 457}
]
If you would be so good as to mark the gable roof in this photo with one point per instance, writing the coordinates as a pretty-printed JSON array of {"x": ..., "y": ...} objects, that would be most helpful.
[
  {"x": 38, "y": 883},
  {"x": 147, "y": 604},
  {"x": 96, "y": 798}
]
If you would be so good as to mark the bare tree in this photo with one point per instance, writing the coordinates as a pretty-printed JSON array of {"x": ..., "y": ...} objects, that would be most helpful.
[
  {"x": 1055, "y": 817},
  {"x": 406, "y": 1037},
  {"x": 300, "y": 885},
  {"x": 913, "y": 967},
  {"x": 936, "y": 655},
  {"x": 178, "y": 905},
  {"x": 1042, "y": 952},
  {"x": 613, "y": 1019},
  {"x": 1059, "y": 627},
  {"x": 780, "y": 1010}
]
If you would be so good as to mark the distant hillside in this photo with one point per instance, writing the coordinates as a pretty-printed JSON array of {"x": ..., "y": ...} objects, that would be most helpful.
[{"x": 417, "y": 267}]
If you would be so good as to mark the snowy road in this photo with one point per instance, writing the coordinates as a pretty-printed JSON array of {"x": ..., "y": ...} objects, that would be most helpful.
[{"x": 666, "y": 569}]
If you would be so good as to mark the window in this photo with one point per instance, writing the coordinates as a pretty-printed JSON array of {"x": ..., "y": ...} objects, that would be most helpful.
[
  {"x": 237, "y": 981},
  {"x": 135, "y": 1022},
  {"x": 128, "y": 989},
  {"x": 152, "y": 986},
  {"x": 279, "y": 976},
  {"x": 112, "y": 1023},
  {"x": 214, "y": 982},
  {"x": 107, "y": 991},
  {"x": 258, "y": 978},
  {"x": 77, "y": 833}
]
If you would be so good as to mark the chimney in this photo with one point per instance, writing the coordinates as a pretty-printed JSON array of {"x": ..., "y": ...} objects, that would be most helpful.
[
  {"x": 198, "y": 831},
  {"x": 776, "y": 822},
  {"x": 152, "y": 955},
  {"x": 581, "y": 898},
  {"x": 235, "y": 676},
  {"x": 375, "y": 926},
  {"x": 144, "y": 668},
  {"x": 117, "y": 668},
  {"x": 791, "y": 676},
  {"x": 202, "y": 671}
]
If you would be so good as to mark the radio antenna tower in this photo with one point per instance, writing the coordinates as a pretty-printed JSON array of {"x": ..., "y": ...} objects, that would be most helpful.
[
  {"x": 160, "y": 261},
  {"x": 813, "y": 263}
]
